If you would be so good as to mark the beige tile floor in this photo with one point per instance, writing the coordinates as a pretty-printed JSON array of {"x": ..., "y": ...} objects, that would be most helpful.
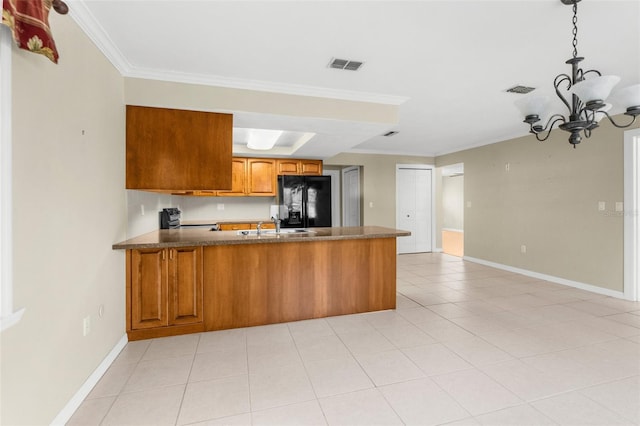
[{"x": 467, "y": 345}]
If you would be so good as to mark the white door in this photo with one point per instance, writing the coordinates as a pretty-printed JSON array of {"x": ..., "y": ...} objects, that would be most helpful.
[
  {"x": 414, "y": 208},
  {"x": 351, "y": 196},
  {"x": 336, "y": 212}
]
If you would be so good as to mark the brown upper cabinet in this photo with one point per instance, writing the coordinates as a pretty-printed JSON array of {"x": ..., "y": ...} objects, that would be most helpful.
[
  {"x": 255, "y": 177},
  {"x": 261, "y": 177},
  {"x": 299, "y": 167},
  {"x": 238, "y": 179},
  {"x": 175, "y": 150}
]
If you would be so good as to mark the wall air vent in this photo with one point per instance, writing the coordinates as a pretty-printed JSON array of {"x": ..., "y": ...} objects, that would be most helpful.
[
  {"x": 345, "y": 64},
  {"x": 521, "y": 89},
  {"x": 391, "y": 133}
]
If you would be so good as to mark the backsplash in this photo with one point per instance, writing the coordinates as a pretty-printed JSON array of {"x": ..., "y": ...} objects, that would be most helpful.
[
  {"x": 143, "y": 208},
  {"x": 224, "y": 208}
]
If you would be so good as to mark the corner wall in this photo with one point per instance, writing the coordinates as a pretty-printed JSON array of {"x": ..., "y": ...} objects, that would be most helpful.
[
  {"x": 547, "y": 200},
  {"x": 68, "y": 209}
]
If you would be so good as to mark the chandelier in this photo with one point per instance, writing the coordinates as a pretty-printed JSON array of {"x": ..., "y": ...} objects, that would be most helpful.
[{"x": 587, "y": 104}]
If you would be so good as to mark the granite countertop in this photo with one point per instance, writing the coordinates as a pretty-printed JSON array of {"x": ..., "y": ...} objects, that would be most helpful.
[{"x": 204, "y": 237}]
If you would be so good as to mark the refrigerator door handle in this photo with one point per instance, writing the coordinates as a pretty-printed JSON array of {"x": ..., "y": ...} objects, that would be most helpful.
[{"x": 305, "y": 218}]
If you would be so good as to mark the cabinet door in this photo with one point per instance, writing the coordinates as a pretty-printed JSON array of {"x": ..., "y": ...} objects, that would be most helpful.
[
  {"x": 234, "y": 226},
  {"x": 171, "y": 149},
  {"x": 288, "y": 167},
  {"x": 238, "y": 179},
  {"x": 148, "y": 288},
  {"x": 265, "y": 225},
  {"x": 185, "y": 285},
  {"x": 261, "y": 177},
  {"x": 311, "y": 167}
]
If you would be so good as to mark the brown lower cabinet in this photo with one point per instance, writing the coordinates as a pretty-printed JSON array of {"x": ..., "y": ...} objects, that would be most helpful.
[
  {"x": 164, "y": 291},
  {"x": 245, "y": 225},
  {"x": 241, "y": 285}
]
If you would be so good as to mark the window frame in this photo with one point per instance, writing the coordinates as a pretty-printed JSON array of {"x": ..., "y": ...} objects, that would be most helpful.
[{"x": 8, "y": 317}]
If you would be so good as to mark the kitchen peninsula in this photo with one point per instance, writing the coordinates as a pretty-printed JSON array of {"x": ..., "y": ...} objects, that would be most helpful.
[{"x": 192, "y": 279}]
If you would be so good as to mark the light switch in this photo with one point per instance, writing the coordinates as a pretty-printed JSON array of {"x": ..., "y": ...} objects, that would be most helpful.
[
  {"x": 602, "y": 206},
  {"x": 619, "y": 206},
  {"x": 220, "y": 206}
]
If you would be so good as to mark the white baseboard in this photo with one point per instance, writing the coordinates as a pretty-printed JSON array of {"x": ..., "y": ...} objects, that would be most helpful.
[
  {"x": 551, "y": 278},
  {"x": 65, "y": 414}
]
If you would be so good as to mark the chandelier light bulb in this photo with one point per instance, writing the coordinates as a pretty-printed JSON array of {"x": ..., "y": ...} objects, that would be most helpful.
[
  {"x": 629, "y": 97},
  {"x": 595, "y": 89}
]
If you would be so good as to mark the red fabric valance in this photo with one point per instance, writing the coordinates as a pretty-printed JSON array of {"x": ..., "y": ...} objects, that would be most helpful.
[{"x": 29, "y": 23}]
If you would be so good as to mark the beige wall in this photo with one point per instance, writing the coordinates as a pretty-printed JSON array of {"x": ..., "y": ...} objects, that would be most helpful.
[
  {"x": 378, "y": 179},
  {"x": 548, "y": 201},
  {"x": 68, "y": 209},
  {"x": 207, "y": 98}
]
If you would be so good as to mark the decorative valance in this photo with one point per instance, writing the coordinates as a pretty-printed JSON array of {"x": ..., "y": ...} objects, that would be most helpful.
[{"x": 29, "y": 23}]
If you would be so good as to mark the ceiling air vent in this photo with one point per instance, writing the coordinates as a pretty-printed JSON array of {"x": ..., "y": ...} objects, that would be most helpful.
[
  {"x": 521, "y": 89},
  {"x": 345, "y": 64},
  {"x": 391, "y": 133}
]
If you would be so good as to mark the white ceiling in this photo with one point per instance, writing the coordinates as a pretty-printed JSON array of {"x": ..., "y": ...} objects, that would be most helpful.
[{"x": 446, "y": 64}]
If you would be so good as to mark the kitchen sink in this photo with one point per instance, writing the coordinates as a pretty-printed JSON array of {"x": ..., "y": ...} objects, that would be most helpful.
[{"x": 273, "y": 231}]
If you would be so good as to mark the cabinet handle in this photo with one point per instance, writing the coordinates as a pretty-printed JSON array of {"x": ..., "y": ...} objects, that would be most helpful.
[
  {"x": 171, "y": 254},
  {"x": 164, "y": 254}
]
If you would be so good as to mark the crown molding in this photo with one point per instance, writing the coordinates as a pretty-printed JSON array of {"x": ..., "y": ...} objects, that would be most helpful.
[
  {"x": 266, "y": 86},
  {"x": 92, "y": 28}
]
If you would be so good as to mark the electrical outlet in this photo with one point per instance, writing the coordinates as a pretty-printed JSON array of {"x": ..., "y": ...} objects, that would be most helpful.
[
  {"x": 602, "y": 206},
  {"x": 523, "y": 249},
  {"x": 220, "y": 206},
  {"x": 619, "y": 206},
  {"x": 86, "y": 325}
]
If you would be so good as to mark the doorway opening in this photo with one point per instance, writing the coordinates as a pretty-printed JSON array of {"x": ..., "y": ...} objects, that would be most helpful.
[{"x": 452, "y": 185}]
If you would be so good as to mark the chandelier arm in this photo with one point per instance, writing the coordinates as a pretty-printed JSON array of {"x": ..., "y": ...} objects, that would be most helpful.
[
  {"x": 593, "y": 71},
  {"x": 557, "y": 82},
  {"x": 542, "y": 139},
  {"x": 547, "y": 128},
  {"x": 619, "y": 126}
]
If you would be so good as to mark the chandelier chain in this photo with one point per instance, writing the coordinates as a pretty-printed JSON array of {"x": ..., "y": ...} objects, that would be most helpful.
[{"x": 575, "y": 30}]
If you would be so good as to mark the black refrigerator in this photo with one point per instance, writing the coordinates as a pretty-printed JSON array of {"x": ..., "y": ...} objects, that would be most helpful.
[{"x": 304, "y": 201}]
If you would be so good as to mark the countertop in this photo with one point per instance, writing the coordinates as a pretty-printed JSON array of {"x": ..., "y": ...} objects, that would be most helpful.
[{"x": 204, "y": 237}]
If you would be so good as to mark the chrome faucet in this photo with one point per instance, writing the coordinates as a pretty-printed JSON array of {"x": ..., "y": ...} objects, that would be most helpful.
[
  {"x": 258, "y": 228},
  {"x": 277, "y": 221}
]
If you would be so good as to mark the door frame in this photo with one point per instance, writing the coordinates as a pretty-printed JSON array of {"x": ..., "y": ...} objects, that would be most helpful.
[
  {"x": 432, "y": 168},
  {"x": 336, "y": 196},
  {"x": 344, "y": 194},
  {"x": 631, "y": 231}
]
